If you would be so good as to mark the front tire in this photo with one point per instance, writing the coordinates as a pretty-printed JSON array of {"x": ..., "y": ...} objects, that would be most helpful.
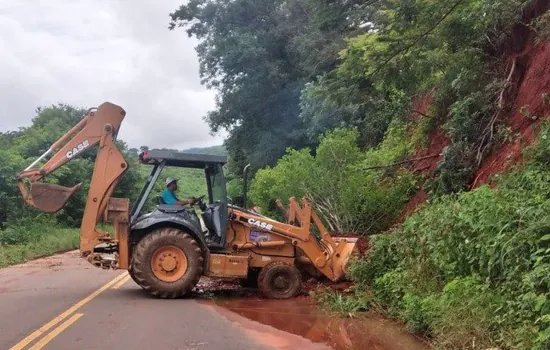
[
  {"x": 167, "y": 263},
  {"x": 279, "y": 280}
]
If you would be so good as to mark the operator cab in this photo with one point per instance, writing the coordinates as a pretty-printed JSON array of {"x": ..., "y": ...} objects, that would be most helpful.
[{"x": 213, "y": 211}]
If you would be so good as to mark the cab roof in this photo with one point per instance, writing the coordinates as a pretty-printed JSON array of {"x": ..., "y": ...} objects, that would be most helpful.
[{"x": 180, "y": 159}]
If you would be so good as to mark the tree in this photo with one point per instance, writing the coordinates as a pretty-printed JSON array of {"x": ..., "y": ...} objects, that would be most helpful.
[{"x": 258, "y": 55}]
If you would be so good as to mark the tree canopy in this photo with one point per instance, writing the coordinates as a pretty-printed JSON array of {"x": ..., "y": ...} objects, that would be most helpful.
[{"x": 259, "y": 55}]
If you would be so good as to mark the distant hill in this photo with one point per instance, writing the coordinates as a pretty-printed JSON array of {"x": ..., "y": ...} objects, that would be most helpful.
[{"x": 214, "y": 150}]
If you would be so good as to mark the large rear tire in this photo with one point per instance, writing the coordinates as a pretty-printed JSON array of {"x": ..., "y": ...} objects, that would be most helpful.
[
  {"x": 167, "y": 263},
  {"x": 279, "y": 280},
  {"x": 131, "y": 273}
]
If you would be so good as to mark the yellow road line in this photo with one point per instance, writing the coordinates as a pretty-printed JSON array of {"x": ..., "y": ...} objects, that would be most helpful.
[
  {"x": 56, "y": 332},
  {"x": 64, "y": 315},
  {"x": 121, "y": 282}
]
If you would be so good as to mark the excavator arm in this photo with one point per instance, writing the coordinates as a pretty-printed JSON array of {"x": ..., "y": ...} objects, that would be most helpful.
[{"x": 98, "y": 128}]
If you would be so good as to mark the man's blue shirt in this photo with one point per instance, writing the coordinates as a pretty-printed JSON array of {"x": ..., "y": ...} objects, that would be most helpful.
[{"x": 168, "y": 197}]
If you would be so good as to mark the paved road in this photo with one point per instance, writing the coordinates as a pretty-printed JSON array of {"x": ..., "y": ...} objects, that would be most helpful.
[{"x": 62, "y": 302}]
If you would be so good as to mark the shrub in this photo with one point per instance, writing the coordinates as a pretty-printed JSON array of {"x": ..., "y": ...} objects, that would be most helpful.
[
  {"x": 348, "y": 197},
  {"x": 26, "y": 229},
  {"x": 48, "y": 242}
]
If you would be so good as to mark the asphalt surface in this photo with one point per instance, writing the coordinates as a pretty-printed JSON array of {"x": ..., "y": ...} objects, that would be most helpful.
[{"x": 63, "y": 302}]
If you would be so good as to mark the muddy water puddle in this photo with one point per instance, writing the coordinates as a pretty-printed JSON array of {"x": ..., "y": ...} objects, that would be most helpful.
[{"x": 300, "y": 324}]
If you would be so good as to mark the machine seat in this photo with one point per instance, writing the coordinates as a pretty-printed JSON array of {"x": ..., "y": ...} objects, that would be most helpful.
[{"x": 208, "y": 221}]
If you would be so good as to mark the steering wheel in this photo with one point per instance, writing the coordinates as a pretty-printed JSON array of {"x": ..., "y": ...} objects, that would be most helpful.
[{"x": 199, "y": 201}]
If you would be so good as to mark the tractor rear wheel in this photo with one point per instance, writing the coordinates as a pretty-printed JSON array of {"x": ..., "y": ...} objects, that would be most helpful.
[
  {"x": 167, "y": 263},
  {"x": 279, "y": 280}
]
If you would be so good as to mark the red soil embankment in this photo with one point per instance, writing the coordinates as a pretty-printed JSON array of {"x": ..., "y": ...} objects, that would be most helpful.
[
  {"x": 527, "y": 98},
  {"x": 531, "y": 105}
]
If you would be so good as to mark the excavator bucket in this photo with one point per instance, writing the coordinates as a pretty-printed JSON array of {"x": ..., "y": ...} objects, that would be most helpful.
[{"x": 51, "y": 198}]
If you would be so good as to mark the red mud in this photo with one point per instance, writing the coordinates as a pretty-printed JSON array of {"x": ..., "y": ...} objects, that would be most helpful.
[
  {"x": 437, "y": 139},
  {"x": 437, "y": 142},
  {"x": 413, "y": 204},
  {"x": 420, "y": 106},
  {"x": 301, "y": 318},
  {"x": 215, "y": 288},
  {"x": 321, "y": 285},
  {"x": 298, "y": 323}
]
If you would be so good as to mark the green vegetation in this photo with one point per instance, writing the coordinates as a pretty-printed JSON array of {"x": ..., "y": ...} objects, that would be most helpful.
[
  {"x": 319, "y": 95},
  {"x": 350, "y": 198},
  {"x": 289, "y": 72},
  {"x": 30, "y": 240},
  {"x": 472, "y": 266},
  {"x": 259, "y": 55}
]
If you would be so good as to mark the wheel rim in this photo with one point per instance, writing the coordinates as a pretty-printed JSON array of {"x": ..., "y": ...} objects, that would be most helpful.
[
  {"x": 281, "y": 282},
  {"x": 169, "y": 263}
]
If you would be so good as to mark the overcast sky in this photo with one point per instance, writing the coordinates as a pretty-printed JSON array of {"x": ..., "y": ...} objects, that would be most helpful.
[{"x": 85, "y": 52}]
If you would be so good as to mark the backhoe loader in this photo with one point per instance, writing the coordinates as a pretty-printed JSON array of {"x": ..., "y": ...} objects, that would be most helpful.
[{"x": 166, "y": 251}]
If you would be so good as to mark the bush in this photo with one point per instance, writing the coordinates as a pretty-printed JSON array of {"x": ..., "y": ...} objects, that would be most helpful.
[
  {"x": 47, "y": 243},
  {"x": 26, "y": 230},
  {"x": 461, "y": 315},
  {"x": 348, "y": 197}
]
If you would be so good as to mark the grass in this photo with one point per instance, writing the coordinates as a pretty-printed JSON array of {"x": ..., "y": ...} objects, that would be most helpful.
[
  {"x": 55, "y": 241},
  {"x": 350, "y": 303}
]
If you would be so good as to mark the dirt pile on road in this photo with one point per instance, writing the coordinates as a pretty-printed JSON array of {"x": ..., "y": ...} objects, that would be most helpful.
[{"x": 209, "y": 288}]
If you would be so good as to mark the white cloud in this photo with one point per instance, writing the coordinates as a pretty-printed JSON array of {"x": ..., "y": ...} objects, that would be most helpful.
[{"x": 85, "y": 52}]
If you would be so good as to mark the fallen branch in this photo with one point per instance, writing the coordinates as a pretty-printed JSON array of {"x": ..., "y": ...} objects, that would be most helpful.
[
  {"x": 412, "y": 160},
  {"x": 508, "y": 82},
  {"x": 489, "y": 131},
  {"x": 422, "y": 168},
  {"x": 422, "y": 114}
]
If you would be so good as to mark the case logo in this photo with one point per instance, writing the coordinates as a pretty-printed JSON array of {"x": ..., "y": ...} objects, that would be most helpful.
[
  {"x": 79, "y": 148},
  {"x": 260, "y": 224}
]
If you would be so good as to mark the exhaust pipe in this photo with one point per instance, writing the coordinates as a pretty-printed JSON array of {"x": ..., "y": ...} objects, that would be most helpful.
[{"x": 245, "y": 186}]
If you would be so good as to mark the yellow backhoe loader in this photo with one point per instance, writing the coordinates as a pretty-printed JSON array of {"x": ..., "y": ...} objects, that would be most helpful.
[{"x": 166, "y": 251}]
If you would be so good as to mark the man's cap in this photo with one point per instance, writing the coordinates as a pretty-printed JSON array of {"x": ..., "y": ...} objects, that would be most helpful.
[{"x": 170, "y": 180}]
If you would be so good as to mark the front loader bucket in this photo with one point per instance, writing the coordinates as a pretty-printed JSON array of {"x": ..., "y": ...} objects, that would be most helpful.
[
  {"x": 51, "y": 198},
  {"x": 345, "y": 248}
]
